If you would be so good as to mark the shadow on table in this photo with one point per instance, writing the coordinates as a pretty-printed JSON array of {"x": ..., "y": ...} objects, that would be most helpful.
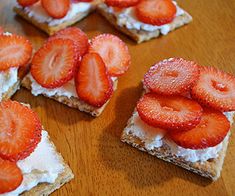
[{"x": 141, "y": 169}]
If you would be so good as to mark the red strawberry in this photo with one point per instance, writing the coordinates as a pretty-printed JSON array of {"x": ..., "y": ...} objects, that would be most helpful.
[
  {"x": 75, "y": 34},
  {"x": 20, "y": 131},
  {"x": 93, "y": 84},
  {"x": 122, "y": 3},
  {"x": 211, "y": 130},
  {"x": 78, "y": 1},
  {"x": 56, "y": 8},
  {"x": 26, "y": 3},
  {"x": 1, "y": 30},
  {"x": 15, "y": 51},
  {"x": 156, "y": 12},
  {"x": 10, "y": 176},
  {"x": 172, "y": 76},
  {"x": 54, "y": 63},
  {"x": 169, "y": 112},
  {"x": 113, "y": 51},
  {"x": 215, "y": 89}
]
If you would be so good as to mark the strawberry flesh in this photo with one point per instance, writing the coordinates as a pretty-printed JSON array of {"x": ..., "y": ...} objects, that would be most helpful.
[
  {"x": 54, "y": 63},
  {"x": 215, "y": 89},
  {"x": 15, "y": 51},
  {"x": 156, "y": 12},
  {"x": 20, "y": 131},
  {"x": 92, "y": 81},
  {"x": 211, "y": 130},
  {"x": 75, "y": 34},
  {"x": 25, "y": 3},
  {"x": 10, "y": 176},
  {"x": 169, "y": 112},
  {"x": 113, "y": 51},
  {"x": 172, "y": 76},
  {"x": 122, "y": 3},
  {"x": 56, "y": 8}
]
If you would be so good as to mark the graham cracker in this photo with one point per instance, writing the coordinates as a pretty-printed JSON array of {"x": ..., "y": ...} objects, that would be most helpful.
[
  {"x": 210, "y": 169},
  {"x": 52, "y": 29},
  {"x": 141, "y": 35},
  {"x": 73, "y": 102}
]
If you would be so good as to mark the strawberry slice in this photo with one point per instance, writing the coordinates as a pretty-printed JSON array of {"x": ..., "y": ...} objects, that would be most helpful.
[
  {"x": 54, "y": 63},
  {"x": 56, "y": 8},
  {"x": 173, "y": 76},
  {"x": 75, "y": 34},
  {"x": 93, "y": 84},
  {"x": 211, "y": 130},
  {"x": 26, "y": 3},
  {"x": 78, "y": 1},
  {"x": 215, "y": 89},
  {"x": 20, "y": 131},
  {"x": 122, "y": 3},
  {"x": 15, "y": 51},
  {"x": 156, "y": 12},
  {"x": 113, "y": 51},
  {"x": 10, "y": 176},
  {"x": 169, "y": 112}
]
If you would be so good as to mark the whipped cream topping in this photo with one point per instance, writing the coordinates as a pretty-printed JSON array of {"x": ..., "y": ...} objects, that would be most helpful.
[
  {"x": 153, "y": 139},
  {"x": 127, "y": 18},
  {"x": 67, "y": 89},
  {"x": 38, "y": 13},
  {"x": 7, "y": 79},
  {"x": 42, "y": 166}
]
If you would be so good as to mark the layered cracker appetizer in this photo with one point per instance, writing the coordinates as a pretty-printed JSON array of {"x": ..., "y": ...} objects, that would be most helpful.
[
  {"x": 53, "y": 15},
  {"x": 29, "y": 162},
  {"x": 184, "y": 116},
  {"x": 146, "y": 19},
  {"x": 78, "y": 72}
]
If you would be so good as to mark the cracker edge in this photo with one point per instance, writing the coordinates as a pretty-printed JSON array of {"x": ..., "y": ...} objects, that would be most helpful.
[
  {"x": 73, "y": 102},
  {"x": 210, "y": 169},
  {"x": 140, "y": 35},
  {"x": 50, "y": 30}
]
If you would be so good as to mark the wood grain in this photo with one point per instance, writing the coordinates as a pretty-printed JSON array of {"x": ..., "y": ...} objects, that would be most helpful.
[{"x": 101, "y": 163}]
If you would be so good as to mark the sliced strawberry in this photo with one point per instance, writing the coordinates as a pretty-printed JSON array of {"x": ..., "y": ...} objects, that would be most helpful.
[
  {"x": 215, "y": 89},
  {"x": 93, "y": 84},
  {"x": 54, "y": 63},
  {"x": 10, "y": 176},
  {"x": 20, "y": 131},
  {"x": 122, "y": 3},
  {"x": 78, "y": 1},
  {"x": 15, "y": 51},
  {"x": 173, "y": 76},
  {"x": 113, "y": 51},
  {"x": 26, "y": 3},
  {"x": 1, "y": 30},
  {"x": 156, "y": 12},
  {"x": 75, "y": 34},
  {"x": 211, "y": 130},
  {"x": 169, "y": 112},
  {"x": 56, "y": 8}
]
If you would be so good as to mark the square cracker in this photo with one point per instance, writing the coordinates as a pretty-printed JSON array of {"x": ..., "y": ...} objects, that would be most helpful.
[
  {"x": 141, "y": 35},
  {"x": 52, "y": 29},
  {"x": 210, "y": 168},
  {"x": 72, "y": 102}
]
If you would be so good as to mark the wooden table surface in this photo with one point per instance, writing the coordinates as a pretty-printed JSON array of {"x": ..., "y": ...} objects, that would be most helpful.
[{"x": 101, "y": 163}]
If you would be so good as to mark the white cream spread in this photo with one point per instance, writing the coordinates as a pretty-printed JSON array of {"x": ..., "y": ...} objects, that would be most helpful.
[
  {"x": 38, "y": 13},
  {"x": 7, "y": 79},
  {"x": 153, "y": 139},
  {"x": 126, "y": 17},
  {"x": 43, "y": 165},
  {"x": 67, "y": 89}
]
